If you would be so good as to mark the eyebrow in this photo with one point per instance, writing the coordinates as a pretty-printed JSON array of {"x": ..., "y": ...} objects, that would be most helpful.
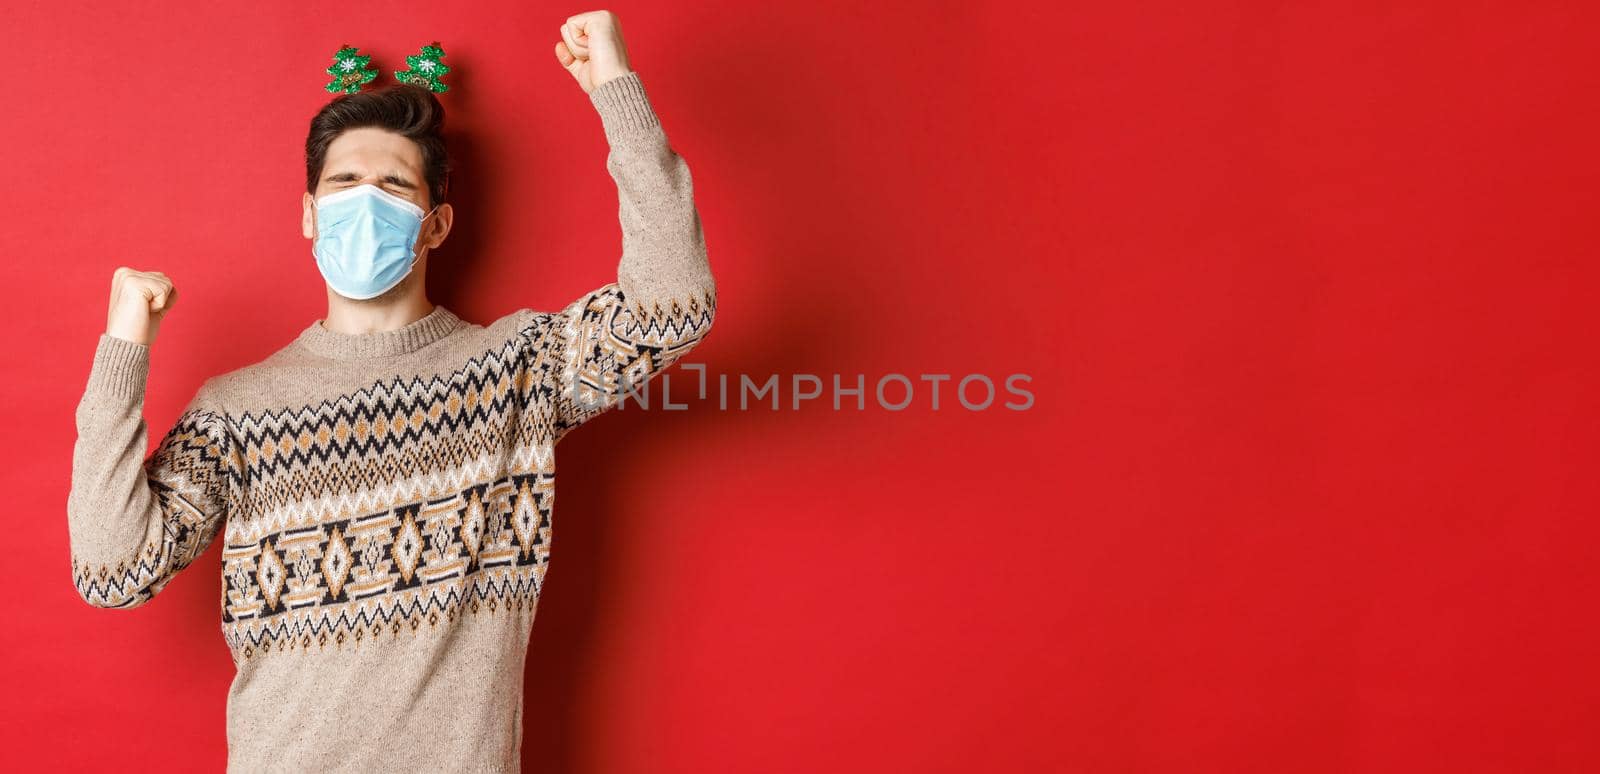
[{"x": 391, "y": 178}]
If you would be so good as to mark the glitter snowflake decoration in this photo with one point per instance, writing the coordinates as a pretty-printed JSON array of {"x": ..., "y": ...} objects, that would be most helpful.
[
  {"x": 425, "y": 69},
  {"x": 349, "y": 71}
]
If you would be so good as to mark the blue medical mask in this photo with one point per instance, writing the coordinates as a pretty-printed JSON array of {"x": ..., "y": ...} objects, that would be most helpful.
[{"x": 366, "y": 239}]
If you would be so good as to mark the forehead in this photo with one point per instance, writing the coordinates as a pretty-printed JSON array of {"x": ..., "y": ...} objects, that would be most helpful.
[{"x": 370, "y": 149}]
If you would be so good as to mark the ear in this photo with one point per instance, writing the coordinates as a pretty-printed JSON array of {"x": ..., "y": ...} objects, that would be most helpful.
[
  {"x": 441, "y": 221},
  {"x": 308, "y": 220}
]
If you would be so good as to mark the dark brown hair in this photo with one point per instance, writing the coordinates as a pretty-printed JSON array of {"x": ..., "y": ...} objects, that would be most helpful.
[{"x": 410, "y": 111}]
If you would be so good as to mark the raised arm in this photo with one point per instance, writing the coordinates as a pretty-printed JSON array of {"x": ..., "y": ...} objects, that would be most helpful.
[
  {"x": 617, "y": 337},
  {"x": 133, "y": 522}
]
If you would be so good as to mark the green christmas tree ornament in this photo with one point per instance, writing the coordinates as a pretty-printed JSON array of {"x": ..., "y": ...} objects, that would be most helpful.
[
  {"x": 425, "y": 69},
  {"x": 349, "y": 71}
]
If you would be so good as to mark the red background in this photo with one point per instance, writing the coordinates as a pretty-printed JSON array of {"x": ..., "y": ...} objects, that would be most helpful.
[{"x": 1306, "y": 293}]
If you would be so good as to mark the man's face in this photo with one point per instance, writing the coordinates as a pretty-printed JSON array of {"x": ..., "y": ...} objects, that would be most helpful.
[{"x": 382, "y": 158}]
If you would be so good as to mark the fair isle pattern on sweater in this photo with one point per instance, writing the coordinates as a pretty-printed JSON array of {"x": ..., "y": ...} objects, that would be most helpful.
[
  {"x": 360, "y": 520},
  {"x": 385, "y": 501}
]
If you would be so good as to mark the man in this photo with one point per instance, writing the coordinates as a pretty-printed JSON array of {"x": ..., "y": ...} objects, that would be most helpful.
[{"x": 384, "y": 482}]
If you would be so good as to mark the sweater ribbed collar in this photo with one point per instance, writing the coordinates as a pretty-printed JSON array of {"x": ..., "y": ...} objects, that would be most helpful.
[{"x": 410, "y": 337}]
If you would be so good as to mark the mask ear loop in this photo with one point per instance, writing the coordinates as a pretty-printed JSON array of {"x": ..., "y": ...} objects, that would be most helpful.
[{"x": 417, "y": 254}]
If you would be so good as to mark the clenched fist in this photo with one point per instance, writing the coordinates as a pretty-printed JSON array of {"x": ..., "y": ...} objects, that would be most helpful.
[
  {"x": 139, "y": 299},
  {"x": 591, "y": 48}
]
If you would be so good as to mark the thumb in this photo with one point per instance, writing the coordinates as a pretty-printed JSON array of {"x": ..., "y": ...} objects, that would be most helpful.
[{"x": 163, "y": 300}]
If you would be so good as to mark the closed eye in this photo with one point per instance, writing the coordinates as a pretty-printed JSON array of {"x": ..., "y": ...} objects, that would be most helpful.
[{"x": 391, "y": 180}]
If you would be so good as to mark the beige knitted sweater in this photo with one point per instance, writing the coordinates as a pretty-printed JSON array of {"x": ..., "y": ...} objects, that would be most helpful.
[{"x": 385, "y": 500}]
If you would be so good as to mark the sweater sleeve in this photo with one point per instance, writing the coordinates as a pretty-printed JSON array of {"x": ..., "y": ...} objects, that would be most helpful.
[
  {"x": 610, "y": 341},
  {"x": 134, "y": 522}
]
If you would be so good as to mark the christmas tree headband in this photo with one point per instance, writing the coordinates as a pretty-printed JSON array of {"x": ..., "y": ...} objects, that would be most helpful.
[{"x": 350, "y": 71}]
